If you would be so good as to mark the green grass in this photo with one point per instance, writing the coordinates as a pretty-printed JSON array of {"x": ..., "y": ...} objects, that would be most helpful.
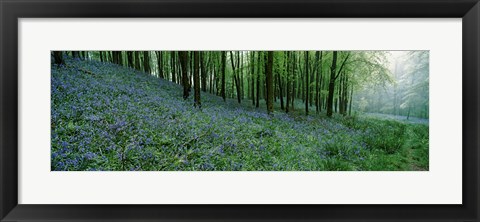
[{"x": 121, "y": 119}]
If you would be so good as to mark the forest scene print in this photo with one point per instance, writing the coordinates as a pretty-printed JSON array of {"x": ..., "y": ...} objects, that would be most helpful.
[{"x": 240, "y": 110}]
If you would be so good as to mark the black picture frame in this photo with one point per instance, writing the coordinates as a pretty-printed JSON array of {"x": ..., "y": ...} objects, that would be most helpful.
[{"x": 11, "y": 11}]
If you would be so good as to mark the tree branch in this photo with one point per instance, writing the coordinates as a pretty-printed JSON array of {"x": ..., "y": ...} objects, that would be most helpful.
[{"x": 341, "y": 67}]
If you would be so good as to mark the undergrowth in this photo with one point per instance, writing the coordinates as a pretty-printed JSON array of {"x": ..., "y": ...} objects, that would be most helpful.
[{"x": 114, "y": 118}]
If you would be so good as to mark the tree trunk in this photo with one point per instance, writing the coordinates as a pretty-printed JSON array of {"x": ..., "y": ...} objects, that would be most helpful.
[
  {"x": 203, "y": 71},
  {"x": 120, "y": 57},
  {"x": 395, "y": 90},
  {"x": 58, "y": 57},
  {"x": 351, "y": 99},
  {"x": 160, "y": 65},
  {"x": 318, "y": 66},
  {"x": 173, "y": 66},
  {"x": 331, "y": 85},
  {"x": 333, "y": 76},
  {"x": 264, "y": 80},
  {"x": 240, "y": 73},
  {"x": 280, "y": 93},
  {"x": 235, "y": 77},
  {"x": 252, "y": 76},
  {"x": 212, "y": 76},
  {"x": 311, "y": 79},
  {"x": 137, "y": 60},
  {"x": 75, "y": 54},
  {"x": 294, "y": 79},
  {"x": 307, "y": 83},
  {"x": 114, "y": 57},
  {"x": 179, "y": 68},
  {"x": 146, "y": 62},
  {"x": 184, "y": 63},
  {"x": 269, "y": 80},
  {"x": 345, "y": 95},
  {"x": 320, "y": 83},
  {"x": 288, "y": 83},
  {"x": 224, "y": 61},
  {"x": 259, "y": 56},
  {"x": 196, "y": 80},
  {"x": 130, "y": 59},
  {"x": 340, "y": 93},
  {"x": 275, "y": 86}
]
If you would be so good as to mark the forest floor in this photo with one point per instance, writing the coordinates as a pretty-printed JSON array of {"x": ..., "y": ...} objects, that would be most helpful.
[
  {"x": 107, "y": 117},
  {"x": 398, "y": 118}
]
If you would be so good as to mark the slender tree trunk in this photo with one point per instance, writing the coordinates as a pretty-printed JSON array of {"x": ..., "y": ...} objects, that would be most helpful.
[
  {"x": 240, "y": 74},
  {"x": 117, "y": 57},
  {"x": 137, "y": 60},
  {"x": 166, "y": 68},
  {"x": 114, "y": 57},
  {"x": 224, "y": 61},
  {"x": 184, "y": 62},
  {"x": 275, "y": 86},
  {"x": 233, "y": 85},
  {"x": 58, "y": 58},
  {"x": 259, "y": 56},
  {"x": 279, "y": 81},
  {"x": 340, "y": 93},
  {"x": 173, "y": 66},
  {"x": 331, "y": 86},
  {"x": 120, "y": 57},
  {"x": 130, "y": 59},
  {"x": 345, "y": 95},
  {"x": 203, "y": 71},
  {"x": 179, "y": 68},
  {"x": 318, "y": 80},
  {"x": 269, "y": 77},
  {"x": 146, "y": 62},
  {"x": 351, "y": 99},
  {"x": 311, "y": 80},
  {"x": 294, "y": 79},
  {"x": 288, "y": 82},
  {"x": 75, "y": 54},
  {"x": 196, "y": 80},
  {"x": 218, "y": 75},
  {"x": 336, "y": 104},
  {"x": 394, "y": 91},
  {"x": 239, "y": 92},
  {"x": 214, "y": 76},
  {"x": 408, "y": 113},
  {"x": 252, "y": 76},
  {"x": 235, "y": 76},
  {"x": 320, "y": 83},
  {"x": 301, "y": 85},
  {"x": 307, "y": 83},
  {"x": 190, "y": 68},
  {"x": 264, "y": 82},
  {"x": 333, "y": 76},
  {"x": 211, "y": 81},
  {"x": 160, "y": 65}
]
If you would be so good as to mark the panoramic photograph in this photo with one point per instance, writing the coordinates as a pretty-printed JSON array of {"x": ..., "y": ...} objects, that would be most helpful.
[{"x": 239, "y": 110}]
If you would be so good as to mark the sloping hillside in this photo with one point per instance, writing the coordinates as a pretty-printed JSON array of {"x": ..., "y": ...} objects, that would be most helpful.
[{"x": 108, "y": 117}]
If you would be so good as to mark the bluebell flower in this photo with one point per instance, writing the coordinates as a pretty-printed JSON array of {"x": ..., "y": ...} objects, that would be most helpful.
[{"x": 90, "y": 155}]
